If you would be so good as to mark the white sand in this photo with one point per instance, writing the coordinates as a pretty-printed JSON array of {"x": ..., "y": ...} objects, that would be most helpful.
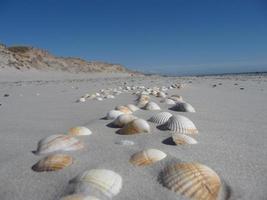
[{"x": 232, "y": 139}]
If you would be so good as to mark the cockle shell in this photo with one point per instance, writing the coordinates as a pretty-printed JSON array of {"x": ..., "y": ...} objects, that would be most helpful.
[
  {"x": 79, "y": 131},
  {"x": 123, "y": 119},
  {"x": 79, "y": 197},
  {"x": 147, "y": 157},
  {"x": 152, "y": 106},
  {"x": 113, "y": 114},
  {"x": 58, "y": 143},
  {"x": 168, "y": 101},
  {"x": 53, "y": 163},
  {"x": 183, "y": 139},
  {"x": 134, "y": 127},
  {"x": 181, "y": 124},
  {"x": 132, "y": 107},
  {"x": 183, "y": 107},
  {"x": 193, "y": 180},
  {"x": 123, "y": 109},
  {"x": 105, "y": 181},
  {"x": 160, "y": 118}
]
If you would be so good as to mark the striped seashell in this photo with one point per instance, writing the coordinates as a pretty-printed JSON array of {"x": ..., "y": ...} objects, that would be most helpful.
[
  {"x": 58, "y": 143},
  {"x": 53, "y": 163},
  {"x": 160, "y": 118},
  {"x": 147, "y": 157},
  {"x": 168, "y": 101},
  {"x": 152, "y": 106},
  {"x": 123, "y": 119},
  {"x": 79, "y": 131},
  {"x": 192, "y": 180},
  {"x": 181, "y": 124},
  {"x": 113, "y": 114},
  {"x": 79, "y": 197},
  {"x": 132, "y": 107},
  {"x": 183, "y": 139},
  {"x": 183, "y": 107},
  {"x": 105, "y": 181},
  {"x": 134, "y": 127},
  {"x": 123, "y": 109}
]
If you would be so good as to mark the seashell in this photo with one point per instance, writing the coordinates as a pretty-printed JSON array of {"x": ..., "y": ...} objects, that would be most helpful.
[
  {"x": 113, "y": 114},
  {"x": 183, "y": 107},
  {"x": 99, "y": 98},
  {"x": 58, "y": 143},
  {"x": 160, "y": 118},
  {"x": 79, "y": 131},
  {"x": 193, "y": 180},
  {"x": 181, "y": 124},
  {"x": 176, "y": 98},
  {"x": 125, "y": 142},
  {"x": 152, "y": 106},
  {"x": 124, "y": 109},
  {"x": 132, "y": 107},
  {"x": 183, "y": 139},
  {"x": 123, "y": 119},
  {"x": 82, "y": 100},
  {"x": 110, "y": 96},
  {"x": 53, "y": 163},
  {"x": 168, "y": 101},
  {"x": 147, "y": 157},
  {"x": 105, "y": 181},
  {"x": 142, "y": 100},
  {"x": 134, "y": 127},
  {"x": 79, "y": 197}
]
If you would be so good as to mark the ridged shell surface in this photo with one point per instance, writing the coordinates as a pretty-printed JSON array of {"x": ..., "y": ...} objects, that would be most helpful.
[
  {"x": 160, "y": 118},
  {"x": 181, "y": 124},
  {"x": 53, "y": 163},
  {"x": 79, "y": 197},
  {"x": 107, "y": 182},
  {"x": 179, "y": 138},
  {"x": 184, "y": 107},
  {"x": 79, "y": 131},
  {"x": 134, "y": 127},
  {"x": 58, "y": 143},
  {"x": 193, "y": 180},
  {"x": 132, "y": 107},
  {"x": 152, "y": 106},
  {"x": 147, "y": 157},
  {"x": 123, "y": 119},
  {"x": 113, "y": 114}
]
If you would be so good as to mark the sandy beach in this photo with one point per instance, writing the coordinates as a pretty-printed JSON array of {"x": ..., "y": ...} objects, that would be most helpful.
[{"x": 231, "y": 122}]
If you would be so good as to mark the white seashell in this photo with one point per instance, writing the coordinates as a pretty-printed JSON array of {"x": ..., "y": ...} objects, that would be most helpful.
[
  {"x": 152, "y": 106},
  {"x": 134, "y": 127},
  {"x": 142, "y": 100},
  {"x": 160, "y": 118},
  {"x": 125, "y": 142},
  {"x": 79, "y": 131},
  {"x": 183, "y": 139},
  {"x": 192, "y": 180},
  {"x": 113, "y": 114},
  {"x": 97, "y": 94},
  {"x": 161, "y": 94},
  {"x": 82, "y": 99},
  {"x": 123, "y": 109},
  {"x": 109, "y": 96},
  {"x": 54, "y": 162},
  {"x": 181, "y": 124},
  {"x": 105, "y": 181},
  {"x": 58, "y": 143},
  {"x": 123, "y": 119},
  {"x": 132, "y": 107},
  {"x": 147, "y": 157},
  {"x": 79, "y": 197},
  {"x": 176, "y": 98},
  {"x": 99, "y": 98},
  {"x": 184, "y": 107},
  {"x": 168, "y": 101}
]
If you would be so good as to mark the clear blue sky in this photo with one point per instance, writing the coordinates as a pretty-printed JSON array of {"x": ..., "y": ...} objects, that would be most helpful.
[{"x": 171, "y": 36}]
